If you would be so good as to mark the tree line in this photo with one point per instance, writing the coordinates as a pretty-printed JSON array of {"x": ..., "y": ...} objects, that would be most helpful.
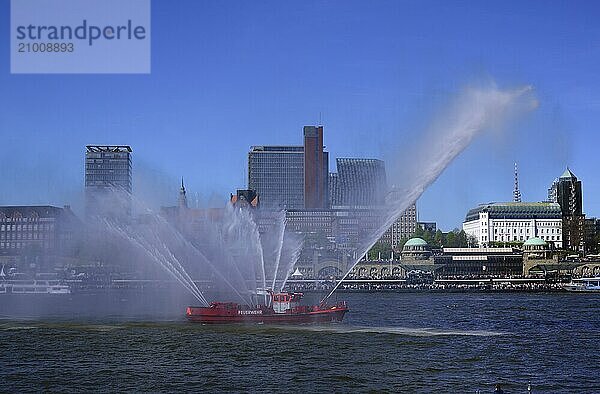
[{"x": 436, "y": 240}]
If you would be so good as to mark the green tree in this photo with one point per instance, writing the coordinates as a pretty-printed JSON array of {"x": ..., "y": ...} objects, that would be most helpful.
[
  {"x": 419, "y": 232},
  {"x": 462, "y": 239},
  {"x": 384, "y": 249},
  {"x": 451, "y": 240},
  {"x": 439, "y": 239},
  {"x": 427, "y": 236},
  {"x": 400, "y": 244}
]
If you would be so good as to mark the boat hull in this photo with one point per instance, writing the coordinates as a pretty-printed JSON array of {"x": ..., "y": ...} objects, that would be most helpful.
[
  {"x": 264, "y": 316},
  {"x": 581, "y": 290},
  {"x": 584, "y": 285}
]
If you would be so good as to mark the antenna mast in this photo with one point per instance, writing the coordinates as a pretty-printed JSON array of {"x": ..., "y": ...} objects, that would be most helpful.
[{"x": 516, "y": 192}]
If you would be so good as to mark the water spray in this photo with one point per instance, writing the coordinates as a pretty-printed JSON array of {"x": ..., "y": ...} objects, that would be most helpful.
[{"x": 474, "y": 111}]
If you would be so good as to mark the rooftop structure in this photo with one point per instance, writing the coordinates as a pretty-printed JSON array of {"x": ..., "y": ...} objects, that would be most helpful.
[
  {"x": 536, "y": 241},
  {"x": 108, "y": 148},
  {"x": 516, "y": 210},
  {"x": 414, "y": 242}
]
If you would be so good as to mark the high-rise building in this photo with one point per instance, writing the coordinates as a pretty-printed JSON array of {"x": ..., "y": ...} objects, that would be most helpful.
[
  {"x": 276, "y": 174},
  {"x": 291, "y": 177},
  {"x": 553, "y": 191},
  {"x": 108, "y": 180},
  {"x": 316, "y": 168},
  {"x": 570, "y": 198},
  {"x": 569, "y": 194},
  {"x": 403, "y": 228},
  {"x": 358, "y": 182}
]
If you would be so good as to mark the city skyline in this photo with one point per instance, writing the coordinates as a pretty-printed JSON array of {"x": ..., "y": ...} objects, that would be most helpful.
[
  {"x": 373, "y": 89},
  {"x": 313, "y": 196}
]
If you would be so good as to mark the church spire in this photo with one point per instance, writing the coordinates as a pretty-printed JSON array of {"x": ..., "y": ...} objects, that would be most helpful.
[
  {"x": 516, "y": 192},
  {"x": 182, "y": 198}
]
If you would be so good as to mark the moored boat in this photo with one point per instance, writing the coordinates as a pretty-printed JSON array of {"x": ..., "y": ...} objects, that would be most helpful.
[
  {"x": 32, "y": 287},
  {"x": 584, "y": 285},
  {"x": 284, "y": 308}
]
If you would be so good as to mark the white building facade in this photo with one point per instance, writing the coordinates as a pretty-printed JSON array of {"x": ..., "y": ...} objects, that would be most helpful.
[{"x": 515, "y": 222}]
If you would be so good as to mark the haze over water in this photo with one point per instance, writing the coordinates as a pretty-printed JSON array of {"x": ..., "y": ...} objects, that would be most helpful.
[{"x": 239, "y": 262}]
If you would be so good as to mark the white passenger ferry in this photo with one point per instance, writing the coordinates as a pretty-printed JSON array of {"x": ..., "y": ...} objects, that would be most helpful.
[
  {"x": 28, "y": 287},
  {"x": 586, "y": 285}
]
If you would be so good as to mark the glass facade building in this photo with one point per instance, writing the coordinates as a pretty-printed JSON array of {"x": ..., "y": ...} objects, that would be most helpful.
[
  {"x": 403, "y": 228},
  {"x": 276, "y": 174},
  {"x": 358, "y": 182},
  {"x": 570, "y": 198}
]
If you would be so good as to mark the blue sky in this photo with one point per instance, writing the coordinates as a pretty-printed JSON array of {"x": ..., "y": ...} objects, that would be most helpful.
[{"x": 228, "y": 75}]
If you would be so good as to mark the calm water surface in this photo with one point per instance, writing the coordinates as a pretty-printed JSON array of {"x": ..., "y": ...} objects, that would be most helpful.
[{"x": 416, "y": 343}]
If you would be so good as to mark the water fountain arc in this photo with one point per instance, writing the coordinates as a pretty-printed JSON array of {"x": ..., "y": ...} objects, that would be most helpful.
[{"x": 474, "y": 111}]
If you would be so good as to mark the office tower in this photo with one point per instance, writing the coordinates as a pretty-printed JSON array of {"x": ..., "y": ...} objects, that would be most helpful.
[
  {"x": 553, "y": 191},
  {"x": 403, "y": 228},
  {"x": 316, "y": 168},
  {"x": 573, "y": 220},
  {"x": 276, "y": 174},
  {"x": 358, "y": 182},
  {"x": 569, "y": 194},
  {"x": 108, "y": 180}
]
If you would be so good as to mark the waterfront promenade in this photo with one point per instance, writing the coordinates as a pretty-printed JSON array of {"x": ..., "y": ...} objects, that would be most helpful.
[{"x": 497, "y": 284}]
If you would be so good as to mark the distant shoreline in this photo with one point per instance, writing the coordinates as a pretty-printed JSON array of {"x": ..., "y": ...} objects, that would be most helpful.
[{"x": 477, "y": 290}]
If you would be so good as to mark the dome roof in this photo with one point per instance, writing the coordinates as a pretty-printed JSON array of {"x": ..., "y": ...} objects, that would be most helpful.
[
  {"x": 416, "y": 242},
  {"x": 536, "y": 241}
]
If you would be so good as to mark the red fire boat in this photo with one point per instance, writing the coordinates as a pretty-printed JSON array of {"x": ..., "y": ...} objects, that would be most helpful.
[{"x": 284, "y": 308}]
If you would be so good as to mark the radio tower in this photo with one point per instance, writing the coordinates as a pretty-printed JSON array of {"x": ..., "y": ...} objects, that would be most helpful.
[{"x": 516, "y": 192}]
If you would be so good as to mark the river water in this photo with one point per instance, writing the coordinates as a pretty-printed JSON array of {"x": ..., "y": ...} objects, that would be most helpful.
[{"x": 389, "y": 342}]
